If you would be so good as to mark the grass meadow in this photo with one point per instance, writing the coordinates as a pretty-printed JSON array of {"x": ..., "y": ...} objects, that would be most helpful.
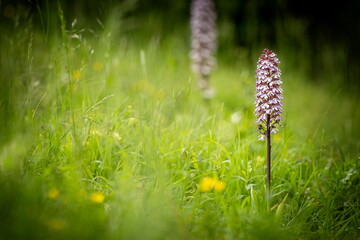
[{"x": 104, "y": 135}]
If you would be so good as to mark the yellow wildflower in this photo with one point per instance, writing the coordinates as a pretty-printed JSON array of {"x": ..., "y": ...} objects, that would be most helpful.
[
  {"x": 278, "y": 137},
  {"x": 117, "y": 136},
  {"x": 260, "y": 159},
  {"x": 76, "y": 74},
  {"x": 98, "y": 66},
  {"x": 97, "y": 197},
  {"x": 206, "y": 184},
  {"x": 53, "y": 193},
  {"x": 96, "y": 132},
  {"x": 219, "y": 186},
  {"x": 56, "y": 224},
  {"x": 133, "y": 121}
]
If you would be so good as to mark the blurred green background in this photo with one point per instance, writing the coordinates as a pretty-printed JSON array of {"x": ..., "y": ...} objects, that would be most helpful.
[
  {"x": 317, "y": 36},
  {"x": 97, "y": 97},
  {"x": 316, "y": 39}
]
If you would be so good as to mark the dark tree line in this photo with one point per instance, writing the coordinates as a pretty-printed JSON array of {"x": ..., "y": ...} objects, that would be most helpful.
[{"x": 256, "y": 23}]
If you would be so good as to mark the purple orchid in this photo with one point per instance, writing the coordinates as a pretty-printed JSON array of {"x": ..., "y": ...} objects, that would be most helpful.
[
  {"x": 268, "y": 93},
  {"x": 203, "y": 42},
  {"x": 268, "y": 104}
]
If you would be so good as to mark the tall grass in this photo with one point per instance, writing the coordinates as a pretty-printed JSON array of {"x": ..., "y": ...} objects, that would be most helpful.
[{"x": 107, "y": 137}]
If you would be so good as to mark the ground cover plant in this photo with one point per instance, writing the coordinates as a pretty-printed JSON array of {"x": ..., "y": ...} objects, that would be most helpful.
[{"x": 104, "y": 135}]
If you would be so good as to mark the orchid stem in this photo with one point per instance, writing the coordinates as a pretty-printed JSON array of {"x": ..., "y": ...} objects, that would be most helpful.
[{"x": 268, "y": 159}]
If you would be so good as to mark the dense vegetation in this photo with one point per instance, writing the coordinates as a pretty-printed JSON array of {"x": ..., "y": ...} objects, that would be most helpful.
[{"x": 104, "y": 134}]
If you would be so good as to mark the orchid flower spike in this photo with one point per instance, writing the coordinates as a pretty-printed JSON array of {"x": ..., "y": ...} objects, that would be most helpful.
[
  {"x": 203, "y": 42},
  {"x": 268, "y": 93}
]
